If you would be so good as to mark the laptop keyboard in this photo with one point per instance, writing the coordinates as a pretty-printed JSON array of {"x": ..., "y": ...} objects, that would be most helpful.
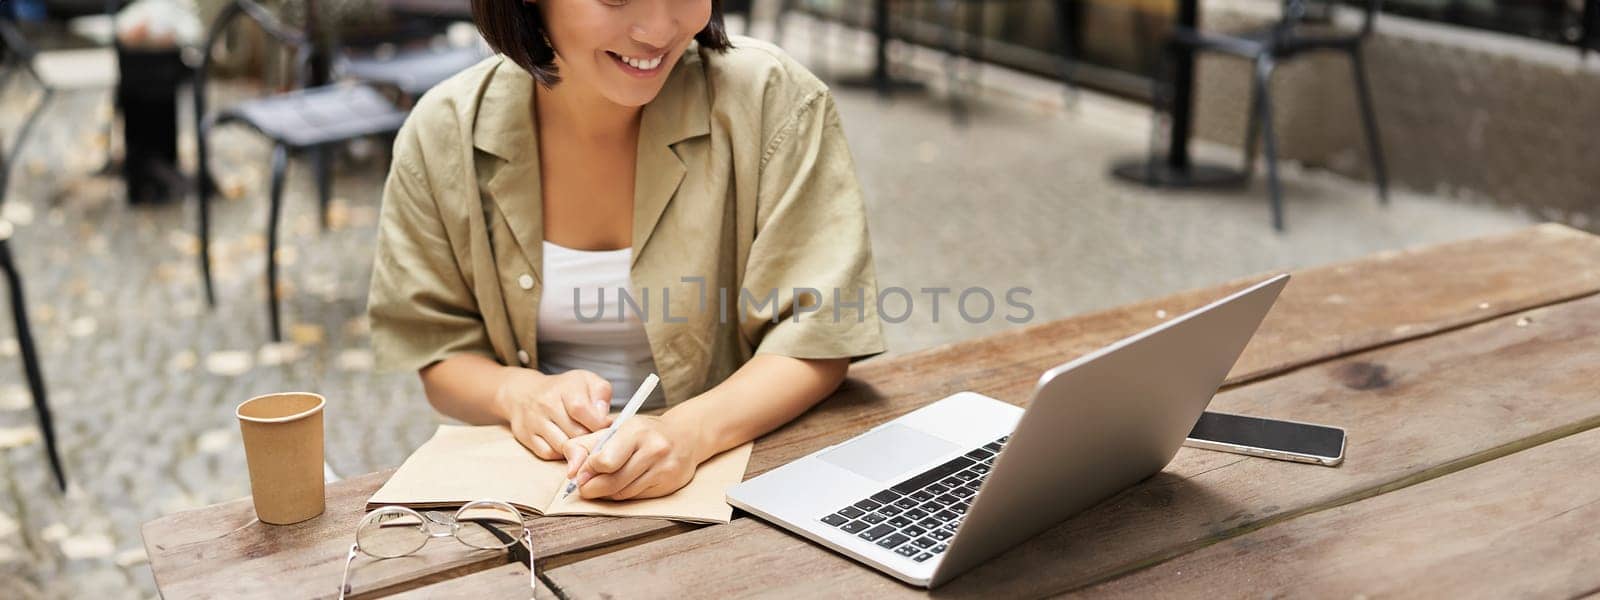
[{"x": 916, "y": 517}]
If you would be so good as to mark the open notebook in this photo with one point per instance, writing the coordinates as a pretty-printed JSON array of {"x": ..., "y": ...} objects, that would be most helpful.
[{"x": 461, "y": 464}]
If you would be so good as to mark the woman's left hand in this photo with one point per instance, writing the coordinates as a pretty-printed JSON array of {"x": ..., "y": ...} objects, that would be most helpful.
[{"x": 648, "y": 457}]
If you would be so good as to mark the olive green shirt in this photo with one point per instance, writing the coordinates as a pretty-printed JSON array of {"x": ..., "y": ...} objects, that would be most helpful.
[{"x": 744, "y": 198}]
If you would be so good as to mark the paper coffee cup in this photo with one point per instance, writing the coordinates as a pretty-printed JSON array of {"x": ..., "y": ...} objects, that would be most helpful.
[{"x": 283, "y": 446}]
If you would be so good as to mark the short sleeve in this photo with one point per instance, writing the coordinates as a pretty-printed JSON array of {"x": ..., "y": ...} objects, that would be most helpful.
[
  {"x": 811, "y": 241},
  {"x": 421, "y": 308}
]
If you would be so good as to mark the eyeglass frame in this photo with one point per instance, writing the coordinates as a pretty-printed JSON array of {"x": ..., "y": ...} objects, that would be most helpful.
[{"x": 427, "y": 521}]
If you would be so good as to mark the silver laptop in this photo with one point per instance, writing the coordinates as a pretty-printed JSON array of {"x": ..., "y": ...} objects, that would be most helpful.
[{"x": 936, "y": 492}]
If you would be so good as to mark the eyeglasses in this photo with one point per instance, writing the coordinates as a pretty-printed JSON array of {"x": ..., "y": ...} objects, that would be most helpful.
[{"x": 396, "y": 531}]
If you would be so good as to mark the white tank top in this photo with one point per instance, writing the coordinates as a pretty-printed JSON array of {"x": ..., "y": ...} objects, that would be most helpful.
[{"x": 613, "y": 348}]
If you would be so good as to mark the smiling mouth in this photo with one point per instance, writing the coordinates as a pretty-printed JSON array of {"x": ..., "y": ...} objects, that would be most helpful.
[{"x": 638, "y": 65}]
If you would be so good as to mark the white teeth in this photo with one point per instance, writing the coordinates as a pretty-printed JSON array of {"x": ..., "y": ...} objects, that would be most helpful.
[{"x": 642, "y": 64}]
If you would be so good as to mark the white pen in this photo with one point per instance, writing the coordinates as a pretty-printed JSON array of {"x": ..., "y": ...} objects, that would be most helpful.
[{"x": 633, "y": 405}]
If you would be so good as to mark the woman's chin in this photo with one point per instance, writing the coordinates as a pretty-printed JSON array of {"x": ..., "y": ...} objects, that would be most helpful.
[
  {"x": 631, "y": 93},
  {"x": 632, "y": 99}
]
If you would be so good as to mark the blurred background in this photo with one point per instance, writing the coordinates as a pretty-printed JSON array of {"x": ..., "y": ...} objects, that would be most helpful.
[{"x": 1095, "y": 152}]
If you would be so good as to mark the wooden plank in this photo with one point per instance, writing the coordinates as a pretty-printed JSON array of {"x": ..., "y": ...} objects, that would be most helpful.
[
  {"x": 1394, "y": 296},
  {"x": 1324, "y": 312},
  {"x": 223, "y": 551},
  {"x": 504, "y": 581},
  {"x": 166, "y": 534},
  {"x": 187, "y": 549},
  {"x": 1523, "y": 526},
  {"x": 1414, "y": 411}
]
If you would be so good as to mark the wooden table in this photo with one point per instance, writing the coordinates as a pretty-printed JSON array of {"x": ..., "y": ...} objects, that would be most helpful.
[{"x": 1466, "y": 374}]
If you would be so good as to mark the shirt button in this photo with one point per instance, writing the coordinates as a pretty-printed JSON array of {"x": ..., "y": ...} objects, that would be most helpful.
[
  {"x": 526, "y": 281},
  {"x": 522, "y": 355}
]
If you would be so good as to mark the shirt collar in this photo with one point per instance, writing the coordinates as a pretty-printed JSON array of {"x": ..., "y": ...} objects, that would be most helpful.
[{"x": 505, "y": 128}]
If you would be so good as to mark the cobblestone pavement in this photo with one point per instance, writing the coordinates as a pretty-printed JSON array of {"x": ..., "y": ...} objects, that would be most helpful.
[{"x": 144, "y": 377}]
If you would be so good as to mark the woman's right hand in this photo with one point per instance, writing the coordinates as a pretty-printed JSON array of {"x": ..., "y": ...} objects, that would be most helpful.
[{"x": 547, "y": 410}]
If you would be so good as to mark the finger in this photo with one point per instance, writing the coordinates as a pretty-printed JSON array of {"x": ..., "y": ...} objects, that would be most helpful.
[
  {"x": 589, "y": 413},
  {"x": 553, "y": 438},
  {"x": 600, "y": 399},
  {"x": 601, "y": 486},
  {"x": 542, "y": 449},
  {"x": 624, "y": 443},
  {"x": 563, "y": 419},
  {"x": 645, "y": 483},
  {"x": 585, "y": 442},
  {"x": 576, "y": 450},
  {"x": 519, "y": 430}
]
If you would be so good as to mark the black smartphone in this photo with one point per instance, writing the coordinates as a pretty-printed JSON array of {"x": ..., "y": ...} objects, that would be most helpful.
[{"x": 1269, "y": 438}]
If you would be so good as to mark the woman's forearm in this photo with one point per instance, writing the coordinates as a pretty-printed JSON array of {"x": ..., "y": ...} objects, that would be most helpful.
[
  {"x": 760, "y": 396},
  {"x": 467, "y": 387}
]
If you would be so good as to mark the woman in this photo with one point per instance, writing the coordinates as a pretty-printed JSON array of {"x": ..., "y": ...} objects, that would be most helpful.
[{"x": 624, "y": 144}]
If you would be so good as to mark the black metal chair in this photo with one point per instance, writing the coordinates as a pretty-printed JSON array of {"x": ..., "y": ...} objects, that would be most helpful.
[
  {"x": 410, "y": 72},
  {"x": 30, "y": 356},
  {"x": 18, "y": 57},
  {"x": 308, "y": 120},
  {"x": 1305, "y": 27}
]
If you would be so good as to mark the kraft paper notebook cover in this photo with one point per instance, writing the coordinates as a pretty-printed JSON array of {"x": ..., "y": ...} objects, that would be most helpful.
[{"x": 461, "y": 464}]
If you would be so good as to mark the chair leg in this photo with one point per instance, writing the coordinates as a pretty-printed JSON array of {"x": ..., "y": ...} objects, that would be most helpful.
[
  {"x": 961, "y": 88},
  {"x": 1066, "y": 19},
  {"x": 952, "y": 24},
  {"x": 323, "y": 155},
  {"x": 5, "y": 167},
  {"x": 30, "y": 364},
  {"x": 202, "y": 194},
  {"x": 1160, "y": 105},
  {"x": 1252, "y": 134},
  {"x": 22, "y": 137},
  {"x": 1369, "y": 123},
  {"x": 1263, "y": 103},
  {"x": 978, "y": 25},
  {"x": 203, "y": 183},
  {"x": 280, "y": 164}
]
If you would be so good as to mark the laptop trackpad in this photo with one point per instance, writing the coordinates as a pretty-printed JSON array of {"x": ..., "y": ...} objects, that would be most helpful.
[{"x": 887, "y": 452}]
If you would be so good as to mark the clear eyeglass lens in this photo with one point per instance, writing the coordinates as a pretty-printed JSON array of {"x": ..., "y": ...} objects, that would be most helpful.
[
  {"x": 488, "y": 525},
  {"x": 391, "y": 532}
]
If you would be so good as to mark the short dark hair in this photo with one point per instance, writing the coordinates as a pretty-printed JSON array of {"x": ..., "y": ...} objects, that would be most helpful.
[{"x": 516, "y": 29}]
